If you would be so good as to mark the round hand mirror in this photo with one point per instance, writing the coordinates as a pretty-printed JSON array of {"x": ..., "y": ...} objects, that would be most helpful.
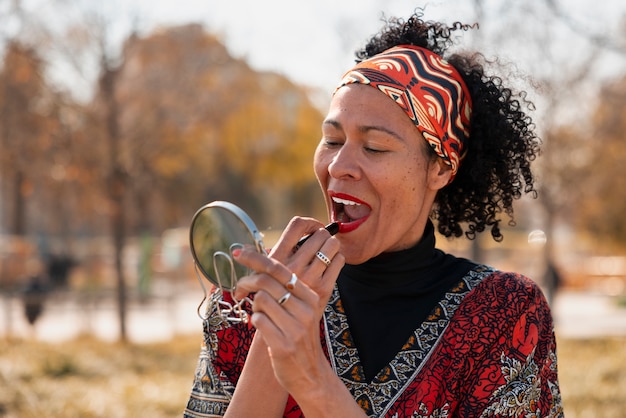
[{"x": 216, "y": 229}]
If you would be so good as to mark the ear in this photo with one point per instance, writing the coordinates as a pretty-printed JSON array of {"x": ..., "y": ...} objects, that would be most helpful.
[{"x": 439, "y": 174}]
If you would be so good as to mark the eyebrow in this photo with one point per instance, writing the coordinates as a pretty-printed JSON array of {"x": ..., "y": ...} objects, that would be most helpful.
[{"x": 364, "y": 129}]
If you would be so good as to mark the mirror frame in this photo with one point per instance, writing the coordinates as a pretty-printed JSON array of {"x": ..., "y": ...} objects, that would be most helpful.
[{"x": 250, "y": 227}]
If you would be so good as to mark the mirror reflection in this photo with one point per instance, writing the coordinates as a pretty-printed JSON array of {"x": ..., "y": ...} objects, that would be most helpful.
[{"x": 216, "y": 229}]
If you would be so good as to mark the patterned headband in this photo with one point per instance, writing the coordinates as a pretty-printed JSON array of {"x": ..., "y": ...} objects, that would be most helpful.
[{"x": 429, "y": 90}]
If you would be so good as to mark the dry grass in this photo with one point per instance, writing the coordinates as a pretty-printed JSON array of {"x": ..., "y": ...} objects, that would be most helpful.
[
  {"x": 87, "y": 378},
  {"x": 592, "y": 374}
]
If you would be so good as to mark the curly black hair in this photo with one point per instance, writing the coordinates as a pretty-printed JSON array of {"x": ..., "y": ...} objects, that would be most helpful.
[{"x": 502, "y": 144}]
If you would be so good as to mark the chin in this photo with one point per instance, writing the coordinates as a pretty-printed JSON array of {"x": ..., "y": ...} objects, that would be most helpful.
[{"x": 353, "y": 257}]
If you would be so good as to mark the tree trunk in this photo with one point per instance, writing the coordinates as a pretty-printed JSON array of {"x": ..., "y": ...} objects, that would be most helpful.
[
  {"x": 18, "y": 223},
  {"x": 116, "y": 187}
]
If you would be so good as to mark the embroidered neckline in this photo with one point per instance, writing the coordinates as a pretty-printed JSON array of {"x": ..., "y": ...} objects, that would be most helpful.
[{"x": 377, "y": 396}]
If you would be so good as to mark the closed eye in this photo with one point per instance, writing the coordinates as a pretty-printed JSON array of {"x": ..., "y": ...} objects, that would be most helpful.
[
  {"x": 374, "y": 150},
  {"x": 332, "y": 142}
]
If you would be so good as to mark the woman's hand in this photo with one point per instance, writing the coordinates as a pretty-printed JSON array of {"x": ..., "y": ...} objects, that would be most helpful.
[
  {"x": 287, "y": 310},
  {"x": 308, "y": 266},
  {"x": 292, "y": 287}
]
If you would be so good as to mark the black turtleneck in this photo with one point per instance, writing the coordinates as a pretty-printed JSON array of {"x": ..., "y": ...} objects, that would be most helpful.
[{"x": 389, "y": 296}]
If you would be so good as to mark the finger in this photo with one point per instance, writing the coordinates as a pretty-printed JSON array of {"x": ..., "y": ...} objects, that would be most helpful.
[
  {"x": 332, "y": 272},
  {"x": 270, "y": 276},
  {"x": 323, "y": 258},
  {"x": 270, "y": 282},
  {"x": 262, "y": 283},
  {"x": 325, "y": 285},
  {"x": 286, "y": 306},
  {"x": 319, "y": 258},
  {"x": 261, "y": 263},
  {"x": 304, "y": 257},
  {"x": 283, "y": 321},
  {"x": 295, "y": 230}
]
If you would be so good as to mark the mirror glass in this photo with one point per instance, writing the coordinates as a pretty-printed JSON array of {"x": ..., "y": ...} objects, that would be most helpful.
[{"x": 216, "y": 229}]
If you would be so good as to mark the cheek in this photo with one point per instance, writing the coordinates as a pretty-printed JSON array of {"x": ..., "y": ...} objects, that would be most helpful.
[
  {"x": 392, "y": 185},
  {"x": 320, "y": 167},
  {"x": 407, "y": 187}
]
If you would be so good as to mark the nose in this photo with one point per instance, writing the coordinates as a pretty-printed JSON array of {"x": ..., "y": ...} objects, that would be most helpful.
[{"x": 345, "y": 163}]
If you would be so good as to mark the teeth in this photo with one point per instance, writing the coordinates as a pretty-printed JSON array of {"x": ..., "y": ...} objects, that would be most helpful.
[{"x": 344, "y": 201}]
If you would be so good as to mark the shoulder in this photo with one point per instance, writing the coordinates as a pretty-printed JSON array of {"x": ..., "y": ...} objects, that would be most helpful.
[
  {"x": 505, "y": 330},
  {"x": 506, "y": 288},
  {"x": 504, "y": 301},
  {"x": 510, "y": 307}
]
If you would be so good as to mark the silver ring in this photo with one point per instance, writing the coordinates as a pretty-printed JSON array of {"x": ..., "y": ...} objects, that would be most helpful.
[
  {"x": 323, "y": 258},
  {"x": 284, "y": 298},
  {"x": 291, "y": 284}
]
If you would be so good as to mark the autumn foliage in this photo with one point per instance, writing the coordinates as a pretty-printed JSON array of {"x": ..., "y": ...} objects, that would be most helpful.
[{"x": 194, "y": 125}]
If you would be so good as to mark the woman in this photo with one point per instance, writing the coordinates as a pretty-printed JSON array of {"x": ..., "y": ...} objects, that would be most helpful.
[{"x": 375, "y": 321}]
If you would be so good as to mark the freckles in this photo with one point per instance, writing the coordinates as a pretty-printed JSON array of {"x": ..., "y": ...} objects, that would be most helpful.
[{"x": 394, "y": 205}]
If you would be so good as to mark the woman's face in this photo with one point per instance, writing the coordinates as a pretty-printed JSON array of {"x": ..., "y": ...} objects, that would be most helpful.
[{"x": 373, "y": 167}]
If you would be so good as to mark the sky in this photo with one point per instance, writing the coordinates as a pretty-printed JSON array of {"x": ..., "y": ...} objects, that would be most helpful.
[{"x": 312, "y": 42}]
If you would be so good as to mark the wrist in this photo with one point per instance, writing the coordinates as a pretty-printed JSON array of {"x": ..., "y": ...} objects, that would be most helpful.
[{"x": 326, "y": 395}]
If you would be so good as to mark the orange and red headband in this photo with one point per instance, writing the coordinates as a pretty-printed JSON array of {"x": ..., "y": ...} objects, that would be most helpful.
[{"x": 429, "y": 90}]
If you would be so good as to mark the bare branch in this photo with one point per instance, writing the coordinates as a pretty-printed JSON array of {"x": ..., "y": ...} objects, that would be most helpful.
[{"x": 601, "y": 40}]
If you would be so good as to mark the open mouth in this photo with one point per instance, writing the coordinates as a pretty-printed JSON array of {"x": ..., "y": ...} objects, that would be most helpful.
[{"x": 349, "y": 212}]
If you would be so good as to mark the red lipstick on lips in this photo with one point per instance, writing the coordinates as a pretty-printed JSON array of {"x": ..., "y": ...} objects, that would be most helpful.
[{"x": 349, "y": 224}]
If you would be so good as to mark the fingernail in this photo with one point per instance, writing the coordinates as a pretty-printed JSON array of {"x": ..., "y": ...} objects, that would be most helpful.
[{"x": 235, "y": 249}]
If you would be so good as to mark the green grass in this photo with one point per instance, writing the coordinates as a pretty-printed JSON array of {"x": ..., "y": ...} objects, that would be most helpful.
[{"x": 88, "y": 378}]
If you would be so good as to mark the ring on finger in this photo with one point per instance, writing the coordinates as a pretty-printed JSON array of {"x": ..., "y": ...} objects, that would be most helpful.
[
  {"x": 291, "y": 284},
  {"x": 284, "y": 298},
  {"x": 323, "y": 258}
]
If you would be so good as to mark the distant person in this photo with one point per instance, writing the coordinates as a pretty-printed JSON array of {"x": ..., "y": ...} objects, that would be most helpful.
[
  {"x": 551, "y": 281},
  {"x": 33, "y": 298},
  {"x": 59, "y": 268},
  {"x": 375, "y": 321}
]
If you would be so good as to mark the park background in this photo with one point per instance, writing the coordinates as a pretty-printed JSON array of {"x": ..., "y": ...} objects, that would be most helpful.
[{"x": 119, "y": 119}]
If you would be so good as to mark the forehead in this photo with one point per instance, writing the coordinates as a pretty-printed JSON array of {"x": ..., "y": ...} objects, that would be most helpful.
[
  {"x": 362, "y": 97},
  {"x": 363, "y": 105}
]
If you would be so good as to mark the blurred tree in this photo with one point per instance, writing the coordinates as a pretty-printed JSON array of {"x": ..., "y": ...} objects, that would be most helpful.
[
  {"x": 559, "y": 81},
  {"x": 101, "y": 148},
  {"x": 601, "y": 39},
  {"x": 563, "y": 152},
  {"x": 116, "y": 180},
  {"x": 38, "y": 171},
  {"x": 576, "y": 169},
  {"x": 161, "y": 136},
  {"x": 174, "y": 122},
  {"x": 23, "y": 128},
  {"x": 174, "y": 88},
  {"x": 600, "y": 210},
  {"x": 201, "y": 125},
  {"x": 270, "y": 140}
]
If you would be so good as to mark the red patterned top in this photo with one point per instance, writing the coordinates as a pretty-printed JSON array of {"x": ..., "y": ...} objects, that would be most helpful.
[{"x": 486, "y": 350}]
